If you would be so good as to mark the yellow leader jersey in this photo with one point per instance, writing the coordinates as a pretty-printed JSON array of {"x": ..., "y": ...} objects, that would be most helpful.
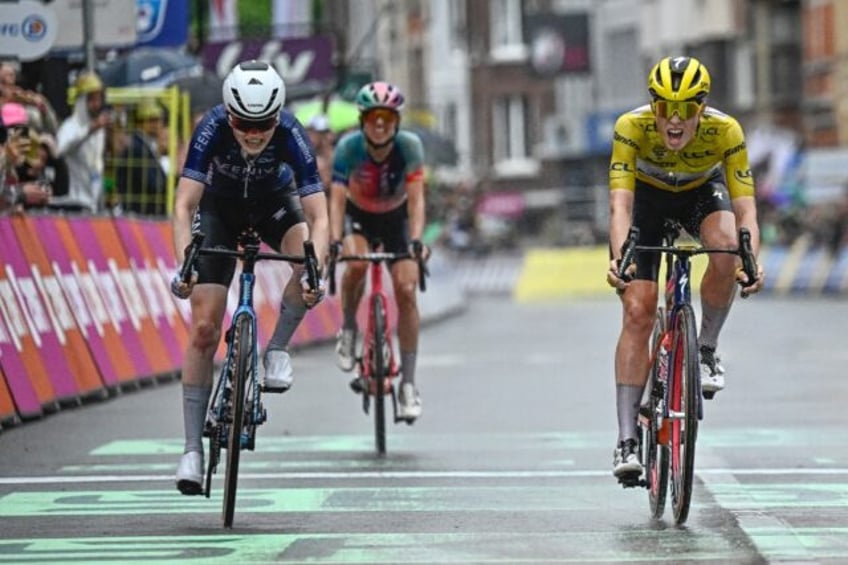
[{"x": 638, "y": 153}]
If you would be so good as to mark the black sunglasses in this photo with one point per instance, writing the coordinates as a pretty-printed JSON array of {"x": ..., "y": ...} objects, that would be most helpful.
[
  {"x": 247, "y": 126},
  {"x": 21, "y": 131}
]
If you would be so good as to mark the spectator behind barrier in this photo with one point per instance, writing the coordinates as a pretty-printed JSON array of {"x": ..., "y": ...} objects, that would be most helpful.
[
  {"x": 81, "y": 141},
  {"x": 322, "y": 139},
  {"x": 140, "y": 181},
  {"x": 16, "y": 192},
  {"x": 43, "y": 117}
]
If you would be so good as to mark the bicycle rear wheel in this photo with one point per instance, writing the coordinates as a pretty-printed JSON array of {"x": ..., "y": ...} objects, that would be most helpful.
[
  {"x": 683, "y": 409},
  {"x": 242, "y": 360},
  {"x": 656, "y": 454},
  {"x": 379, "y": 370}
]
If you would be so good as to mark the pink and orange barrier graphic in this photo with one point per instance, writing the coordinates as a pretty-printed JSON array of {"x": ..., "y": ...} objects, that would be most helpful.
[{"x": 85, "y": 308}]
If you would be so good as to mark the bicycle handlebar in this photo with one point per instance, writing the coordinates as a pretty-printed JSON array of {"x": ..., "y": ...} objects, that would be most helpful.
[
  {"x": 745, "y": 251},
  {"x": 191, "y": 254},
  {"x": 376, "y": 257},
  {"x": 251, "y": 252}
]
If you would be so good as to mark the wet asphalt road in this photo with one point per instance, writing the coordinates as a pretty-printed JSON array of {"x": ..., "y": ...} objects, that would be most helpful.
[{"x": 511, "y": 462}]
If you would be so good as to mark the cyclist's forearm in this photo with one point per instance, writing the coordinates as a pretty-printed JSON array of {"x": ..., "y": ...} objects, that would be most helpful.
[
  {"x": 187, "y": 199},
  {"x": 621, "y": 213},
  {"x": 338, "y": 199},
  {"x": 745, "y": 209},
  {"x": 416, "y": 210},
  {"x": 315, "y": 210}
]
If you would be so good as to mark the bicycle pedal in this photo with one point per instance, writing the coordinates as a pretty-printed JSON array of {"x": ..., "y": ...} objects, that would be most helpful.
[
  {"x": 632, "y": 480},
  {"x": 357, "y": 385}
]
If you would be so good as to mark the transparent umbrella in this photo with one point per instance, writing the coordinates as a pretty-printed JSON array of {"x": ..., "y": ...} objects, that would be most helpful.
[{"x": 150, "y": 66}]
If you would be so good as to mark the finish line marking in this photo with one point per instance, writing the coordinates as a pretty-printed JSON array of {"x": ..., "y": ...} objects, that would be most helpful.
[{"x": 366, "y": 475}]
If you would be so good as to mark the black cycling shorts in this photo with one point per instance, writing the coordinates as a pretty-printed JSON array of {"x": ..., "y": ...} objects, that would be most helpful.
[
  {"x": 391, "y": 228},
  {"x": 652, "y": 206},
  {"x": 222, "y": 220}
]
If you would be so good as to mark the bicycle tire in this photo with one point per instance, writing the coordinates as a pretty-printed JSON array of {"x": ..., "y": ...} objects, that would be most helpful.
[
  {"x": 379, "y": 370},
  {"x": 656, "y": 454},
  {"x": 242, "y": 359},
  {"x": 683, "y": 397}
]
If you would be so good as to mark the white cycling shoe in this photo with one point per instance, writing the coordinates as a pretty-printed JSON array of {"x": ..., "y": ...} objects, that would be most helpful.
[
  {"x": 278, "y": 371},
  {"x": 190, "y": 473},
  {"x": 409, "y": 403}
]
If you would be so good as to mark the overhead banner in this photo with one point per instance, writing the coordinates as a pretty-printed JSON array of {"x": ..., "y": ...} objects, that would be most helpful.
[
  {"x": 114, "y": 23},
  {"x": 223, "y": 20},
  {"x": 162, "y": 23},
  {"x": 27, "y": 29},
  {"x": 298, "y": 60}
]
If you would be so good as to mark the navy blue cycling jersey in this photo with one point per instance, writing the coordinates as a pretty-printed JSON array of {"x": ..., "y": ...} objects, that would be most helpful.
[{"x": 216, "y": 159}]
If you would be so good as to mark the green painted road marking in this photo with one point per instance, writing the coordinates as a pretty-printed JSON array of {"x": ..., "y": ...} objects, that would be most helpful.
[
  {"x": 738, "y": 496},
  {"x": 399, "y": 499},
  {"x": 360, "y": 443},
  {"x": 366, "y": 499},
  {"x": 653, "y": 546},
  {"x": 714, "y": 438}
]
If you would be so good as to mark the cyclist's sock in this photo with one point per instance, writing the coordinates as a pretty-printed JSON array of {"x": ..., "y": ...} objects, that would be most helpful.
[
  {"x": 349, "y": 318},
  {"x": 712, "y": 320},
  {"x": 290, "y": 317},
  {"x": 407, "y": 366},
  {"x": 195, "y": 400},
  {"x": 628, "y": 398}
]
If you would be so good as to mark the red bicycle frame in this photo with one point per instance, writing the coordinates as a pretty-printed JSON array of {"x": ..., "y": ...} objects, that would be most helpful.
[{"x": 376, "y": 293}]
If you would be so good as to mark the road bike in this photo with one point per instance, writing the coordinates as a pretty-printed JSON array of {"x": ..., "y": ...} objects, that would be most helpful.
[
  {"x": 235, "y": 408},
  {"x": 671, "y": 405},
  {"x": 377, "y": 367}
]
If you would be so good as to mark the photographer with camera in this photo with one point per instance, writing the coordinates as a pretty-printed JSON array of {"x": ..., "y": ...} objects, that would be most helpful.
[{"x": 81, "y": 142}]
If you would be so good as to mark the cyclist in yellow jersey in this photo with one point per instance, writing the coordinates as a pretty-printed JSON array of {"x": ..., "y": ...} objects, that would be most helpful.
[{"x": 679, "y": 159}]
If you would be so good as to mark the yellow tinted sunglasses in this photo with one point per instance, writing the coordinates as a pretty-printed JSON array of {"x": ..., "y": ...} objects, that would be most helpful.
[{"x": 684, "y": 108}]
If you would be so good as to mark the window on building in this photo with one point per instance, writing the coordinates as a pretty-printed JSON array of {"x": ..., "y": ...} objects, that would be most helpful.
[
  {"x": 506, "y": 40},
  {"x": 457, "y": 24},
  {"x": 509, "y": 142},
  {"x": 449, "y": 121}
]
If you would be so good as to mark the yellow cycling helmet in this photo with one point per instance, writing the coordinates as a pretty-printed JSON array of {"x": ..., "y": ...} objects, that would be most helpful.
[
  {"x": 679, "y": 78},
  {"x": 87, "y": 83}
]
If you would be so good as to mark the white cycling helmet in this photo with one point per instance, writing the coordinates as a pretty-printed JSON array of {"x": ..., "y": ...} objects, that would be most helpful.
[{"x": 254, "y": 91}]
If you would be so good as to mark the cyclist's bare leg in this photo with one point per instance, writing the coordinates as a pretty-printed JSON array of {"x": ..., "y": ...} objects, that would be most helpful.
[
  {"x": 292, "y": 307},
  {"x": 718, "y": 230},
  {"x": 405, "y": 281},
  {"x": 208, "y": 303},
  {"x": 639, "y": 303},
  {"x": 353, "y": 279}
]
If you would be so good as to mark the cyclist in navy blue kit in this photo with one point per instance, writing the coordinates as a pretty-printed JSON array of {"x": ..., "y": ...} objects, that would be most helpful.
[{"x": 249, "y": 164}]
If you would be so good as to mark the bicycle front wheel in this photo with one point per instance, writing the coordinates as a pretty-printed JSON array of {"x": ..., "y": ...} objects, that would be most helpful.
[
  {"x": 378, "y": 370},
  {"x": 242, "y": 360},
  {"x": 683, "y": 410},
  {"x": 656, "y": 452}
]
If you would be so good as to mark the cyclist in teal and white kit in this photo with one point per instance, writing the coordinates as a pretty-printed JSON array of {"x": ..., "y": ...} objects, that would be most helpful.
[
  {"x": 378, "y": 192},
  {"x": 249, "y": 164}
]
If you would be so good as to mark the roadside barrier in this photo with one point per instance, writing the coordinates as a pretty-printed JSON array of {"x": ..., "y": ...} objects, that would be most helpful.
[{"x": 86, "y": 311}]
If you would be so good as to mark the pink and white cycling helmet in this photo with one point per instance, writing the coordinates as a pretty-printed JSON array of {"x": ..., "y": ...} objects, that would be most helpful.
[{"x": 379, "y": 95}]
